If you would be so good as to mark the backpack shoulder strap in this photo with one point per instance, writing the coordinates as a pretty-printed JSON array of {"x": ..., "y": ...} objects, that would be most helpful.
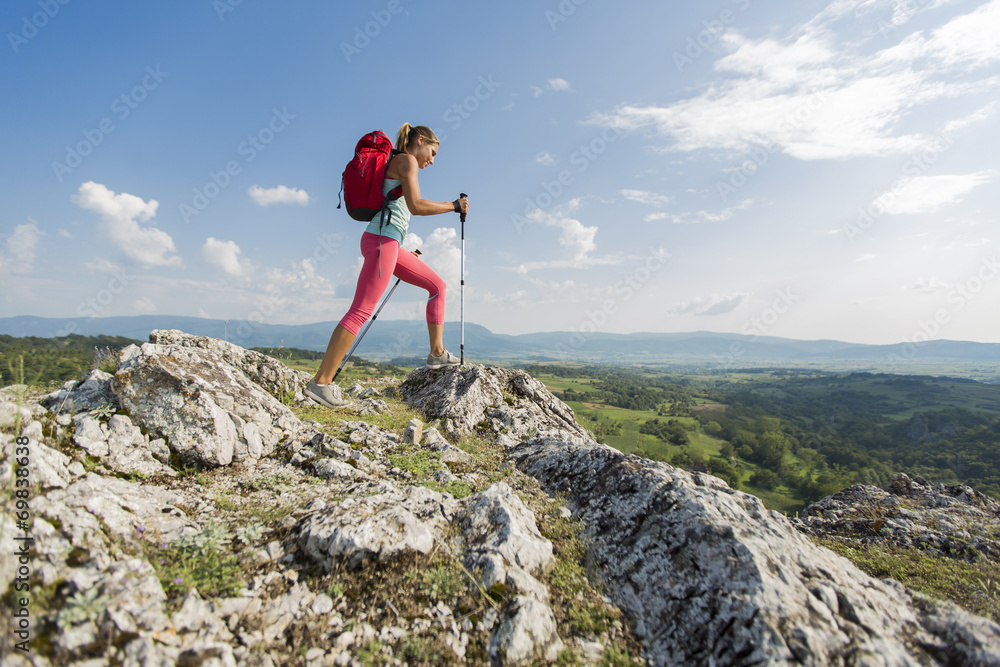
[{"x": 397, "y": 191}]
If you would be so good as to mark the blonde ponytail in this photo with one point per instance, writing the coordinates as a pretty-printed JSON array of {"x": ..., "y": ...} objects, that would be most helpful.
[{"x": 408, "y": 133}]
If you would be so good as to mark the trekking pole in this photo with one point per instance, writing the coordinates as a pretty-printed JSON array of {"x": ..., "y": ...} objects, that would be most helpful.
[
  {"x": 461, "y": 310},
  {"x": 367, "y": 326}
]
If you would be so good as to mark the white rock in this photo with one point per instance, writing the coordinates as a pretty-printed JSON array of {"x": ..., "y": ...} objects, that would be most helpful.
[
  {"x": 51, "y": 467},
  {"x": 697, "y": 564},
  {"x": 496, "y": 521},
  {"x": 89, "y": 434},
  {"x": 464, "y": 397},
  {"x": 323, "y": 604},
  {"x": 344, "y": 641},
  {"x": 194, "y": 614},
  {"x": 76, "y": 397},
  {"x": 528, "y": 631},
  {"x": 413, "y": 432},
  {"x": 10, "y": 413},
  {"x": 32, "y": 431},
  {"x": 373, "y": 527},
  {"x": 208, "y": 409},
  {"x": 336, "y": 469}
]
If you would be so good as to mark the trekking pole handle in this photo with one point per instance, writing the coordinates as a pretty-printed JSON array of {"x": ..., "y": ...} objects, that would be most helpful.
[{"x": 462, "y": 195}]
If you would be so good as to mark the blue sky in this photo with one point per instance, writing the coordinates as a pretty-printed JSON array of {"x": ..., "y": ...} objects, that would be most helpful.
[{"x": 808, "y": 170}]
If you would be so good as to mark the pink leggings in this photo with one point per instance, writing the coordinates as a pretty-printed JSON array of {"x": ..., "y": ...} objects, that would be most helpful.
[{"x": 378, "y": 269}]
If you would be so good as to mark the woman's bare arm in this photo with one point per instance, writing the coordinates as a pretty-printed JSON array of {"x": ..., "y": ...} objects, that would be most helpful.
[{"x": 404, "y": 168}]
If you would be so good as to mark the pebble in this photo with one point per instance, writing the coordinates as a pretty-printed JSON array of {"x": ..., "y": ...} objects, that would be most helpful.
[
  {"x": 345, "y": 640},
  {"x": 323, "y": 604}
]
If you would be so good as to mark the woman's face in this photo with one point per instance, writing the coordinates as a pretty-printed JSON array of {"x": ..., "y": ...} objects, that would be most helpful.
[{"x": 425, "y": 152}]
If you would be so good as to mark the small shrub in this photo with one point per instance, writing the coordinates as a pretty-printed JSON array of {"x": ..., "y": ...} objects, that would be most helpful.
[
  {"x": 103, "y": 412},
  {"x": 200, "y": 560},
  {"x": 82, "y": 607},
  {"x": 420, "y": 462},
  {"x": 444, "y": 582},
  {"x": 614, "y": 657},
  {"x": 335, "y": 590},
  {"x": 107, "y": 360},
  {"x": 250, "y": 534},
  {"x": 226, "y": 503}
]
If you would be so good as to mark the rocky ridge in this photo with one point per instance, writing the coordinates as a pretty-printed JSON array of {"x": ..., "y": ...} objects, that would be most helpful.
[
  {"x": 350, "y": 542},
  {"x": 948, "y": 520}
]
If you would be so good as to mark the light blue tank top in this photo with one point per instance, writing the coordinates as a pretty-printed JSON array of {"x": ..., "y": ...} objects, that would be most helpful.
[{"x": 394, "y": 226}]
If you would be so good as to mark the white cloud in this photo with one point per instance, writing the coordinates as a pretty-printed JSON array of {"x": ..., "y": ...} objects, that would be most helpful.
[
  {"x": 716, "y": 304},
  {"x": 928, "y": 286},
  {"x": 555, "y": 85},
  {"x": 968, "y": 40},
  {"x": 295, "y": 293},
  {"x": 925, "y": 194},
  {"x": 300, "y": 278},
  {"x": 224, "y": 255},
  {"x": 698, "y": 217},
  {"x": 574, "y": 236},
  {"x": 644, "y": 197},
  {"x": 545, "y": 158},
  {"x": 577, "y": 240},
  {"x": 121, "y": 215},
  {"x": 513, "y": 297},
  {"x": 440, "y": 251},
  {"x": 278, "y": 195},
  {"x": 102, "y": 265},
  {"x": 17, "y": 255},
  {"x": 814, "y": 96},
  {"x": 558, "y": 85},
  {"x": 144, "y": 306}
]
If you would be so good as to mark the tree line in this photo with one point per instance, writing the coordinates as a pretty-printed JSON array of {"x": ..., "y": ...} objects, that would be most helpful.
[{"x": 34, "y": 360}]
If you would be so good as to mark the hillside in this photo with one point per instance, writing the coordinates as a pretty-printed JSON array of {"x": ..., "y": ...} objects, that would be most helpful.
[{"x": 194, "y": 508}]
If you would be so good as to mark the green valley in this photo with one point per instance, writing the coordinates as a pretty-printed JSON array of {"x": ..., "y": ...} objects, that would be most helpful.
[{"x": 792, "y": 437}]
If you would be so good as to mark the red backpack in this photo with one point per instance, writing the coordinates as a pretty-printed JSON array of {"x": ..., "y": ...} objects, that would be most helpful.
[{"x": 361, "y": 182}]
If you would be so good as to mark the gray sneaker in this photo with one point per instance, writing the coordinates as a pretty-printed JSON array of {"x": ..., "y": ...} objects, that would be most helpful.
[
  {"x": 446, "y": 360},
  {"x": 323, "y": 394}
]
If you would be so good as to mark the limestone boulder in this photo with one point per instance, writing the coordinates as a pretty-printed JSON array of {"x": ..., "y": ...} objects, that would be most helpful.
[
  {"x": 496, "y": 521},
  {"x": 75, "y": 397},
  {"x": 275, "y": 377},
  {"x": 208, "y": 410},
  {"x": 375, "y": 523},
  {"x": 495, "y": 401},
  {"x": 949, "y": 520},
  {"x": 713, "y": 577}
]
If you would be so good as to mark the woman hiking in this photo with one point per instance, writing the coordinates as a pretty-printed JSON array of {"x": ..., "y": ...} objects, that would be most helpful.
[{"x": 384, "y": 257}]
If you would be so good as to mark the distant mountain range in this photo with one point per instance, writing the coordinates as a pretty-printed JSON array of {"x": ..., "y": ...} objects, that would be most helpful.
[{"x": 401, "y": 338}]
